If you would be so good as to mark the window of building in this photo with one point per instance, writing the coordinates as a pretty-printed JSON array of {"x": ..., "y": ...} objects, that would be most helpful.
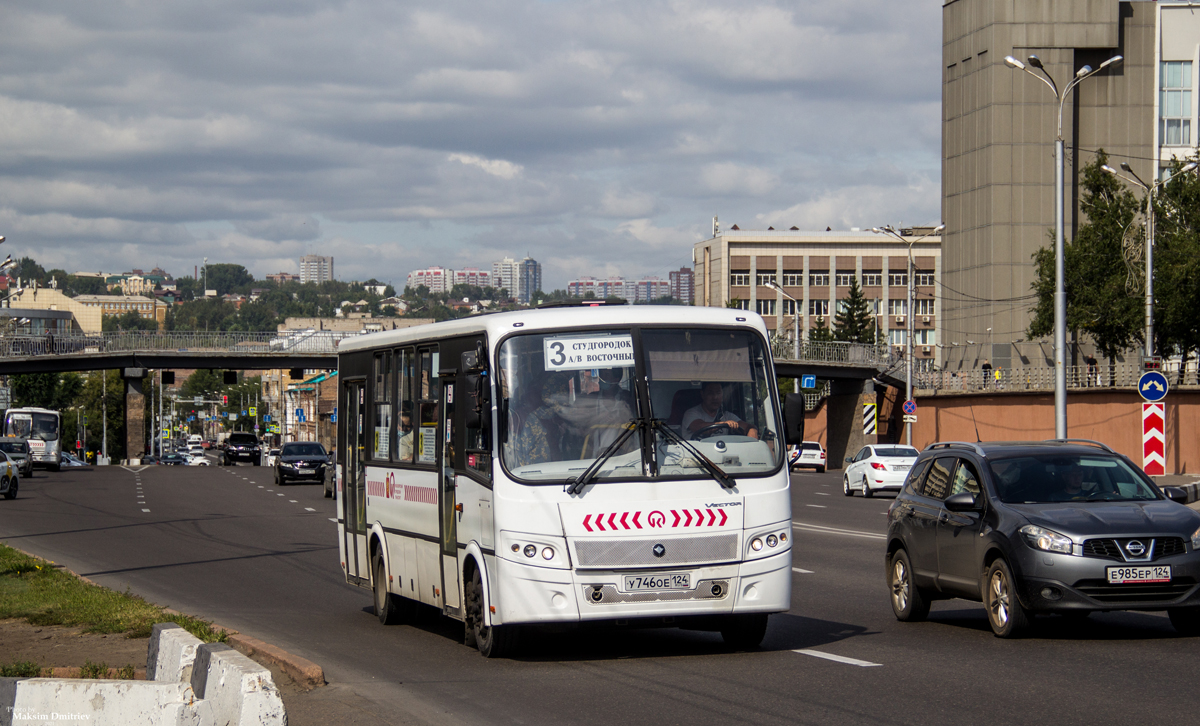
[
  {"x": 923, "y": 337},
  {"x": 765, "y": 307},
  {"x": 897, "y": 307},
  {"x": 739, "y": 304},
  {"x": 897, "y": 336},
  {"x": 923, "y": 307},
  {"x": 793, "y": 278},
  {"x": 818, "y": 307},
  {"x": 898, "y": 279},
  {"x": 923, "y": 278},
  {"x": 739, "y": 278},
  {"x": 789, "y": 307},
  {"x": 842, "y": 306},
  {"x": 1175, "y": 103},
  {"x": 872, "y": 278},
  {"x": 765, "y": 279},
  {"x": 844, "y": 279},
  {"x": 818, "y": 278}
]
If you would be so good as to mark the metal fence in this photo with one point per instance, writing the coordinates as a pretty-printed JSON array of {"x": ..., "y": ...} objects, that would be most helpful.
[
  {"x": 142, "y": 341},
  {"x": 1121, "y": 375},
  {"x": 837, "y": 352}
]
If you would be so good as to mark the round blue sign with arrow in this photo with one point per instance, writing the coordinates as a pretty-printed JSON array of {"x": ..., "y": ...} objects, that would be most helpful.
[{"x": 1153, "y": 386}]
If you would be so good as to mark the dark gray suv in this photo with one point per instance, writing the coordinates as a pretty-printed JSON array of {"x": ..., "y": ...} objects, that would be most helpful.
[{"x": 1067, "y": 527}]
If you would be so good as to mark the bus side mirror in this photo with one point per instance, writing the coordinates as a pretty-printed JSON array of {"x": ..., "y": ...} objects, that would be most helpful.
[
  {"x": 478, "y": 406},
  {"x": 793, "y": 418}
]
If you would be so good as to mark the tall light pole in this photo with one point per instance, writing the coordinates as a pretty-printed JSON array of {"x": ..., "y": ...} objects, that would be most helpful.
[
  {"x": 1150, "y": 189},
  {"x": 1060, "y": 292},
  {"x": 908, "y": 318},
  {"x": 795, "y": 328}
]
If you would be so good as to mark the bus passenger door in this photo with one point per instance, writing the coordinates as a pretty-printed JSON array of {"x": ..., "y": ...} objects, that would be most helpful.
[
  {"x": 449, "y": 505},
  {"x": 354, "y": 503}
]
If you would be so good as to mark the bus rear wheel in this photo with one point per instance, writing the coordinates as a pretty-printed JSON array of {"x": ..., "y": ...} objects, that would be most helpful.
[
  {"x": 494, "y": 641},
  {"x": 387, "y": 606}
]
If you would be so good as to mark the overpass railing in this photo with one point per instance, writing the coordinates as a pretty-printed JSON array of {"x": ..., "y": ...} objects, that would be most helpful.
[
  {"x": 837, "y": 352},
  {"x": 321, "y": 342},
  {"x": 1121, "y": 375}
]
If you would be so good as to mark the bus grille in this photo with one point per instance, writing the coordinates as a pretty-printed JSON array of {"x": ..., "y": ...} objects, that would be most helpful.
[{"x": 614, "y": 553}]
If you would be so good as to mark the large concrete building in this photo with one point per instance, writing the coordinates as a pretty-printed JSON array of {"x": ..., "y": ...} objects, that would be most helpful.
[
  {"x": 815, "y": 269},
  {"x": 998, "y": 131},
  {"x": 315, "y": 268}
]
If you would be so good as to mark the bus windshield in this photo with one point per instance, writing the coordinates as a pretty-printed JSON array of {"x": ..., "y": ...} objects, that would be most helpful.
[
  {"x": 568, "y": 398},
  {"x": 42, "y": 426}
]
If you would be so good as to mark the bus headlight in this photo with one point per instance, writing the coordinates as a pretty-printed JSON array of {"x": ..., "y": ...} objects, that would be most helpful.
[
  {"x": 547, "y": 553},
  {"x": 524, "y": 549},
  {"x": 756, "y": 544}
]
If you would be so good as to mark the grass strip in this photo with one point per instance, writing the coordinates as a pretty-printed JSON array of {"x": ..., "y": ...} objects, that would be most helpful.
[{"x": 40, "y": 593}]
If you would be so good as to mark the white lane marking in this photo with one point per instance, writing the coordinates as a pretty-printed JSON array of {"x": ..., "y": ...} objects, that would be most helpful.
[
  {"x": 821, "y": 494},
  {"x": 333, "y": 519},
  {"x": 293, "y": 501},
  {"x": 309, "y": 509},
  {"x": 260, "y": 486},
  {"x": 838, "y": 658},
  {"x": 145, "y": 510},
  {"x": 818, "y": 529},
  {"x": 802, "y": 572},
  {"x": 816, "y": 506},
  {"x": 279, "y": 495}
]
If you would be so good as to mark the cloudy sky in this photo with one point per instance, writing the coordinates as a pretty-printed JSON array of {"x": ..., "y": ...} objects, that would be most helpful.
[{"x": 598, "y": 137}]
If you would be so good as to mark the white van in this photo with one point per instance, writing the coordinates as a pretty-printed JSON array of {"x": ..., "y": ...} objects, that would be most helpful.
[{"x": 195, "y": 440}]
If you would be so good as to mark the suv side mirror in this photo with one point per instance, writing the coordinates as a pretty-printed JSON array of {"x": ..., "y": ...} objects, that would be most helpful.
[
  {"x": 961, "y": 502},
  {"x": 1176, "y": 494}
]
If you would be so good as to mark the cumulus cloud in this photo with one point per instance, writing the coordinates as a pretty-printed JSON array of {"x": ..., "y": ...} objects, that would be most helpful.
[{"x": 598, "y": 137}]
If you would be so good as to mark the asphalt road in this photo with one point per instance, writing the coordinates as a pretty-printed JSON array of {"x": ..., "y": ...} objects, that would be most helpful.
[{"x": 227, "y": 545}]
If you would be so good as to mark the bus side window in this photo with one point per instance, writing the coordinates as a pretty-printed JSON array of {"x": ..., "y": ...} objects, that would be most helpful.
[
  {"x": 405, "y": 420},
  {"x": 429, "y": 393},
  {"x": 477, "y": 446},
  {"x": 382, "y": 394}
]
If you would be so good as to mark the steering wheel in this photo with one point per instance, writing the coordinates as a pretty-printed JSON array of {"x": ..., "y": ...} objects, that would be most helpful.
[{"x": 712, "y": 430}]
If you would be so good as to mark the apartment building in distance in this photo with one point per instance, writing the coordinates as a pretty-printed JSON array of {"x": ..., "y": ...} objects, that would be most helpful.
[
  {"x": 435, "y": 278},
  {"x": 815, "y": 270},
  {"x": 681, "y": 284},
  {"x": 88, "y": 311},
  {"x": 998, "y": 132},
  {"x": 316, "y": 268}
]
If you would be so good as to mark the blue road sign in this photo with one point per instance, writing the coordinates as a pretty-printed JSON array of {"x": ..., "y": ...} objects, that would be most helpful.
[
  {"x": 333, "y": 416},
  {"x": 299, "y": 412},
  {"x": 1153, "y": 386},
  {"x": 245, "y": 412},
  {"x": 267, "y": 418},
  {"x": 910, "y": 407},
  {"x": 301, "y": 416},
  {"x": 808, "y": 381}
]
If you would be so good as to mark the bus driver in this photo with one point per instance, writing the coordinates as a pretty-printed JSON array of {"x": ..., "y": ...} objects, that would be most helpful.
[{"x": 710, "y": 412}]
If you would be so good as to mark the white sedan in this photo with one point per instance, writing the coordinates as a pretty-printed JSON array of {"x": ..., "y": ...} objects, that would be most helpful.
[
  {"x": 807, "y": 454},
  {"x": 197, "y": 460},
  {"x": 879, "y": 467}
]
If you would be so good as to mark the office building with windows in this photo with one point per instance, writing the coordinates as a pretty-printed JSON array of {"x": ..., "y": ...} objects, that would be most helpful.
[
  {"x": 998, "y": 130},
  {"x": 681, "y": 284},
  {"x": 815, "y": 270},
  {"x": 529, "y": 272},
  {"x": 506, "y": 275},
  {"x": 315, "y": 268}
]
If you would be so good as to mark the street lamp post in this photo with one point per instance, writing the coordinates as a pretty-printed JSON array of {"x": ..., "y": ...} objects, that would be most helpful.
[
  {"x": 1150, "y": 189},
  {"x": 908, "y": 319},
  {"x": 795, "y": 328},
  {"x": 1060, "y": 292}
]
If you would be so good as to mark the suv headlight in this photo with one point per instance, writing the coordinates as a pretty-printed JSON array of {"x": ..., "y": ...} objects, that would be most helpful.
[
  {"x": 1196, "y": 540},
  {"x": 1046, "y": 539}
]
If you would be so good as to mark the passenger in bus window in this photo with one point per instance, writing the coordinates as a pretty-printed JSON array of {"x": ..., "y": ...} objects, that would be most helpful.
[
  {"x": 711, "y": 411},
  {"x": 540, "y": 439},
  {"x": 605, "y": 412},
  {"x": 405, "y": 444}
]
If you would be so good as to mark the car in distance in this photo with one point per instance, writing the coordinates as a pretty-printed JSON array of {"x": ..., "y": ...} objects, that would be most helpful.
[
  {"x": 807, "y": 454},
  {"x": 300, "y": 461},
  {"x": 173, "y": 460},
  {"x": 69, "y": 459},
  {"x": 242, "y": 446},
  {"x": 272, "y": 455},
  {"x": 878, "y": 467},
  {"x": 10, "y": 479},
  {"x": 18, "y": 450},
  {"x": 1065, "y": 526},
  {"x": 197, "y": 460}
]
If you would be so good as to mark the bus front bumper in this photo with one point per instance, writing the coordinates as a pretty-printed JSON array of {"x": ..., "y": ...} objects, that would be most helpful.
[{"x": 546, "y": 595}]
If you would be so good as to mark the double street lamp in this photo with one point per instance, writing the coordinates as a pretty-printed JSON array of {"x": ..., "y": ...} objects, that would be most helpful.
[
  {"x": 1150, "y": 191},
  {"x": 908, "y": 311},
  {"x": 795, "y": 328},
  {"x": 1060, "y": 293}
]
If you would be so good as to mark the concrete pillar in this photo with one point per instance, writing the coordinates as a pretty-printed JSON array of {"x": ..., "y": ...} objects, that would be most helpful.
[
  {"x": 843, "y": 416},
  {"x": 135, "y": 413}
]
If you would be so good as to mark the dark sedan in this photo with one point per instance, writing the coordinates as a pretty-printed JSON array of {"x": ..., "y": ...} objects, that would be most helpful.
[
  {"x": 1061, "y": 527},
  {"x": 302, "y": 461},
  {"x": 173, "y": 460}
]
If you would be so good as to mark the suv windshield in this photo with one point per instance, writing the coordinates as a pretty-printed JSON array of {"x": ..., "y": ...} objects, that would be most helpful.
[
  {"x": 303, "y": 450},
  {"x": 566, "y": 397},
  {"x": 1068, "y": 478},
  {"x": 239, "y": 440}
]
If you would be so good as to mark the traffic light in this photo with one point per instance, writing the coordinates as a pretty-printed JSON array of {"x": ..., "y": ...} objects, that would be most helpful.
[{"x": 224, "y": 399}]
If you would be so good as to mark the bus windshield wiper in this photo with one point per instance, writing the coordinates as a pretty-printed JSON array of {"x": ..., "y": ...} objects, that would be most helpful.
[
  {"x": 717, "y": 472},
  {"x": 630, "y": 427}
]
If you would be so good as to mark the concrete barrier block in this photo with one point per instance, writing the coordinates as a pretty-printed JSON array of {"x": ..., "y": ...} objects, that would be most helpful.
[
  {"x": 235, "y": 689},
  {"x": 171, "y": 652},
  {"x": 101, "y": 703}
]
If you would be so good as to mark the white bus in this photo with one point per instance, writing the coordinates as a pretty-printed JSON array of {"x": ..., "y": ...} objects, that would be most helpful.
[
  {"x": 43, "y": 428},
  {"x": 563, "y": 465}
]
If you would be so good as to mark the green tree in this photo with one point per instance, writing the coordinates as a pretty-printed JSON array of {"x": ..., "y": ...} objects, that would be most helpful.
[
  {"x": 226, "y": 278},
  {"x": 1102, "y": 298},
  {"x": 130, "y": 320},
  {"x": 1177, "y": 265},
  {"x": 821, "y": 333},
  {"x": 55, "y": 391},
  {"x": 854, "y": 322}
]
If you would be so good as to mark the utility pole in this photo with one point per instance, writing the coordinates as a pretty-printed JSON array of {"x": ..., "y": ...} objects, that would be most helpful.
[{"x": 104, "y": 415}]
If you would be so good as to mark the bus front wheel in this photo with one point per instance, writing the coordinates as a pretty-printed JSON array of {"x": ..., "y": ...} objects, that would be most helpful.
[
  {"x": 494, "y": 641},
  {"x": 744, "y": 632},
  {"x": 387, "y": 605}
]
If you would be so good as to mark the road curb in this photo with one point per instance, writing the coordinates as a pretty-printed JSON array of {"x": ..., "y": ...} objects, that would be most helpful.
[
  {"x": 307, "y": 674},
  {"x": 303, "y": 671}
]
